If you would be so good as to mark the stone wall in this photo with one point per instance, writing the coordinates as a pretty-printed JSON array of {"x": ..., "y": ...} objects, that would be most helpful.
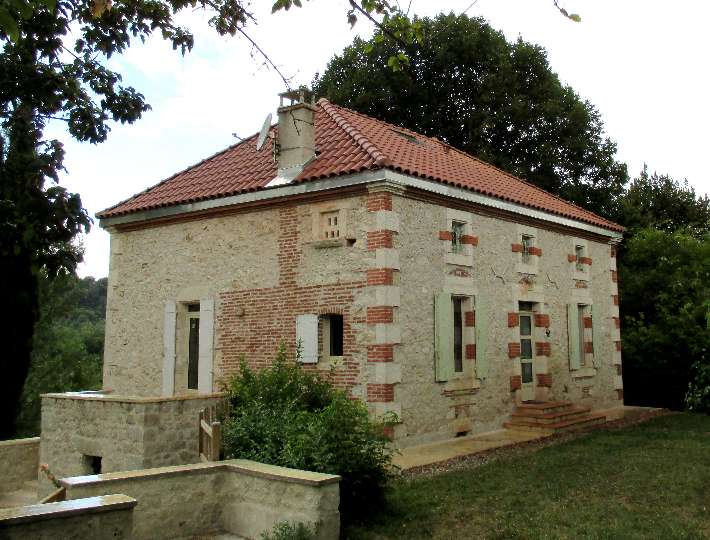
[
  {"x": 127, "y": 433},
  {"x": 238, "y": 496},
  {"x": 490, "y": 269},
  {"x": 19, "y": 460},
  {"x": 95, "y": 518}
]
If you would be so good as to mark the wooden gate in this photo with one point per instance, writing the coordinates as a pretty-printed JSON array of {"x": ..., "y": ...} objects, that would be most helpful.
[{"x": 210, "y": 430}]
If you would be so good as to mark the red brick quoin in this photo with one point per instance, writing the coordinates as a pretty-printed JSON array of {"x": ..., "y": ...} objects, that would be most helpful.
[
  {"x": 380, "y": 393},
  {"x": 513, "y": 350},
  {"x": 380, "y": 239},
  {"x": 588, "y": 347},
  {"x": 380, "y": 276},
  {"x": 513, "y": 320},
  {"x": 516, "y": 248},
  {"x": 516, "y": 382},
  {"x": 379, "y": 201},
  {"x": 380, "y": 353},
  {"x": 542, "y": 320},
  {"x": 470, "y": 351},
  {"x": 446, "y": 235},
  {"x": 470, "y": 318},
  {"x": 535, "y": 251},
  {"x": 380, "y": 314},
  {"x": 544, "y": 379},
  {"x": 543, "y": 349}
]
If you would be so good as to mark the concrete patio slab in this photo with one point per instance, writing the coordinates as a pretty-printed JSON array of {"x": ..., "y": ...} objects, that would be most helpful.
[{"x": 428, "y": 454}]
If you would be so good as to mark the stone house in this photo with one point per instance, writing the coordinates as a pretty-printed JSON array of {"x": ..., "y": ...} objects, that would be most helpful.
[{"x": 445, "y": 290}]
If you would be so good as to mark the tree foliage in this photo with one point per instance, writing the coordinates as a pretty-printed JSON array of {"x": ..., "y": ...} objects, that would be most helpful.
[
  {"x": 664, "y": 290},
  {"x": 498, "y": 101},
  {"x": 284, "y": 415},
  {"x": 68, "y": 344}
]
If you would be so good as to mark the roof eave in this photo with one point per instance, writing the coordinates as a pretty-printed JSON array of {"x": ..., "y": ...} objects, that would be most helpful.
[{"x": 364, "y": 177}]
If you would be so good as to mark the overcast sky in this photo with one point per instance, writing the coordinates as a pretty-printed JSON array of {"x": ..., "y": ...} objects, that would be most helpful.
[{"x": 643, "y": 64}]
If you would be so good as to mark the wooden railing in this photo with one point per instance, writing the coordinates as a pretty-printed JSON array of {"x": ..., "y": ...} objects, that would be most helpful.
[
  {"x": 210, "y": 430},
  {"x": 58, "y": 496}
]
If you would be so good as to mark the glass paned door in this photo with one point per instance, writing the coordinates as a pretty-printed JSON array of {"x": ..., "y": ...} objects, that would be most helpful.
[{"x": 526, "y": 356}]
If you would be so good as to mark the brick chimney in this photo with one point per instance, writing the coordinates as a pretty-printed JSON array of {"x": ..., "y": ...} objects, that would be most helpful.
[{"x": 297, "y": 134}]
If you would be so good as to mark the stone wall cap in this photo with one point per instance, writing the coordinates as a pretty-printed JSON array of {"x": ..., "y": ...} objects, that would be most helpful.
[
  {"x": 243, "y": 466},
  {"x": 92, "y": 396},
  {"x": 90, "y": 505},
  {"x": 12, "y": 442}
]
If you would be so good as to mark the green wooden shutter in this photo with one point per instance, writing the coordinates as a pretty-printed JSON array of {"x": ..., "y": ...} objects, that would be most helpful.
[
  {"x": 443, "y": 337},
  {"x": 596, "y": 333},
  {"x": 573, "y": 335},
  {"x": 481, "y": 339}
]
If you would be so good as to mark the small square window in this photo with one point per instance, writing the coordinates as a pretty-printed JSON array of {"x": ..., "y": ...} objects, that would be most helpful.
[
  {"x": 457, "y": 232},
  {"x": 330, "y": 225}
]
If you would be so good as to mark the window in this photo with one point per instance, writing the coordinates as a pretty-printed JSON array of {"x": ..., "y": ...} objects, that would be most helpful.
[
  {"x": 333, "y": 335},
  {"x": 457, "y": 231},
  {"x": 580, "y": 252},
  {"x": 193, "y": 311},
  {"x": 457, "y": 328},
  {"x": 330, "y": 226},
  {"x": 580, "y": 330},
  {"x": 583, "y": 328},
  {"x": 526, "y": 335},
  {"x": 320, "y": 336},
  {"x": 458, "y": 335},
  {"x": 527, "y": 244},
  {"x": 188, "y": 346}
]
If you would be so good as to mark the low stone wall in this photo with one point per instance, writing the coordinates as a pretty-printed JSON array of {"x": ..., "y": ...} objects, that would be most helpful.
[
  {"x": 238, "y": 496},
  {"x": 126, "y": 433},
  {"x": 19, "y": 461},
  {"x": 95, "y": 518}
]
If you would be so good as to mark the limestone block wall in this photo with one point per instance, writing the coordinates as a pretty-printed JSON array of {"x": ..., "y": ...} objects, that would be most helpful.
[
  {"x": 94, "y": 518},
  {"x": 19, "y": 460},
  {"x": 126, "y": 433},
  {"x": 237, "y": 496},
  {"x": 489, "y": 269}
]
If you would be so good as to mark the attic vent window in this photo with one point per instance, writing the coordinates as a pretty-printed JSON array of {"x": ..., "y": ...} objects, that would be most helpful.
[
  {"x": 330, "y": 226},
  {"x": 410, "y": 138}
]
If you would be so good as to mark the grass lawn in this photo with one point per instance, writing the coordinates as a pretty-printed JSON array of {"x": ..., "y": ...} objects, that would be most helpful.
[{"x": 648, "y": 481}]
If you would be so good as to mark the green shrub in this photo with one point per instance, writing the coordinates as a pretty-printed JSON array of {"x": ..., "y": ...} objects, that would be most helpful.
[
  {"x": 698, "y": 397},
  {"x": 284, "y": 415},
  {"x": 286, "y": 531}
]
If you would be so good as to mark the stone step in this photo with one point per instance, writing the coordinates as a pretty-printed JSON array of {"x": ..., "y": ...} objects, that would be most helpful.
[
  {"x": 552, "y": 417},
  {"x": 557, "y": 427},
  {"x": 539, "y": 409}
]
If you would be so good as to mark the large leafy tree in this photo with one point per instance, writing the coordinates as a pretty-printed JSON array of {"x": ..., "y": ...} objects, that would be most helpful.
[
  {"x": 68, "y": 344},
  {"x": 664, "y": 290},
  {"x": 50, "y": 68},
  {"x": 468, "y": 86}
]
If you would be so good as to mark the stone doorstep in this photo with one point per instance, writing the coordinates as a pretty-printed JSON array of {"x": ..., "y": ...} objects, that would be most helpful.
[
  {"x": 551, "y": 418},
  {"x": 558, "y": 427},
  {"x": 539, "y": 409}
]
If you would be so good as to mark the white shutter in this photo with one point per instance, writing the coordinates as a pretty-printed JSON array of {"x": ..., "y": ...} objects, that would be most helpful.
[
  {"x": 307, "y": 333},
  {"x": 206, "y": 358},
  {"x": 169, "y": 349},
  {"x": 443, "y": 337}
]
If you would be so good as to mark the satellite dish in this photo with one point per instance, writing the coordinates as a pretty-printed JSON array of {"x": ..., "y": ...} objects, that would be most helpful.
[{"x": 264, "y": 132}]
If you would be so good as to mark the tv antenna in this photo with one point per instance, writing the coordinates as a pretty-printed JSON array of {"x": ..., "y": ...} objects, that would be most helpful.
[{"x": 264, "y": 132}]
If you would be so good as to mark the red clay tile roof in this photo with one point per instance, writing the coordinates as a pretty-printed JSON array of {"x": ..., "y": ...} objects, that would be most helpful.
[{"x": 348, "y": 142}]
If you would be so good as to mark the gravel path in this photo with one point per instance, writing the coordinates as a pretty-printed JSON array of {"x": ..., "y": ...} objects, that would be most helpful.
[{"x": 514, "y": 450}]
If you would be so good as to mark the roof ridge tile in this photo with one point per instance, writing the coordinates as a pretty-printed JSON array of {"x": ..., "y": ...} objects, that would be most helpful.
[{"x": 380, "y": 158}]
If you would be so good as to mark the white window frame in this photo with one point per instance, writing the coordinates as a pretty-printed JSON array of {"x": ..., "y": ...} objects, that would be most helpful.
[{"x": 464, "y": 257}]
